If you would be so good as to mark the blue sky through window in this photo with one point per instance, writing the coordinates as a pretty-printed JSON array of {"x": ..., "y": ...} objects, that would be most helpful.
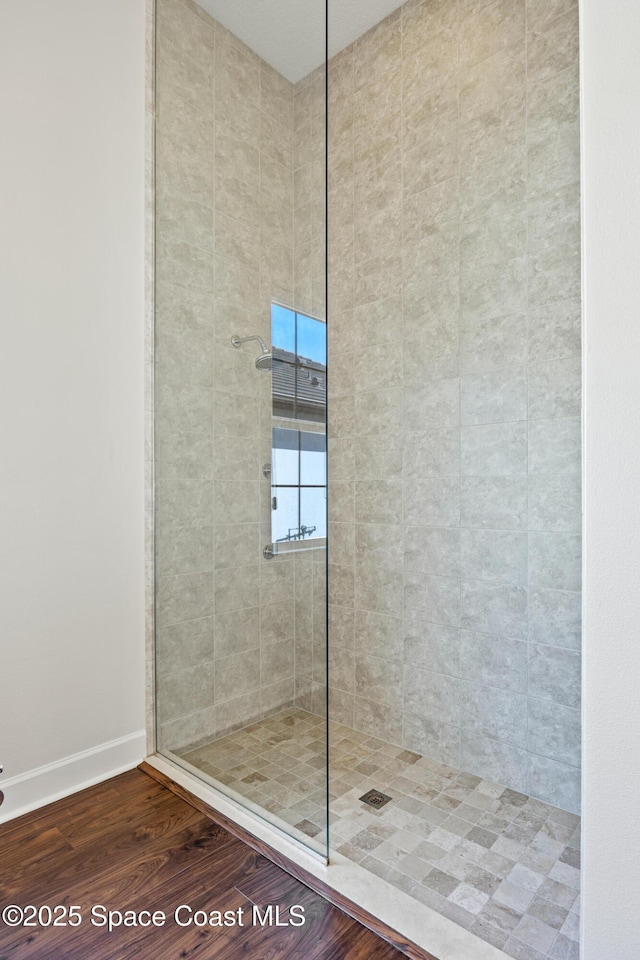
[
  {"x": 298, "y": 477},
  {"x": 286, "y": 326}
]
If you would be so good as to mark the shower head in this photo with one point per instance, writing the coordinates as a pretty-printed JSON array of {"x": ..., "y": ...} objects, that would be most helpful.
[{"x": 265, "y": 360}]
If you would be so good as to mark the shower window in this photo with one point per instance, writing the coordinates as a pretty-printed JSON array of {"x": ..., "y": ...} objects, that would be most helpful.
[
  {"x": 299, "y": 446},
  {"x": 298, "y": 486},
  {"x": 299, "y": 372}
]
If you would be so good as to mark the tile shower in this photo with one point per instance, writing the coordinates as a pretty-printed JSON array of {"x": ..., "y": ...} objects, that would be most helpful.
[
  {"x": 453, "y": 428},
  {"x": 455, "y": 319}
]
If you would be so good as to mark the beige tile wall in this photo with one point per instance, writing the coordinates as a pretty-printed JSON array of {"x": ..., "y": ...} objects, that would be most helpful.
[
  {"x": 454, "y": 423},
  {"x": 224, "y": 146}
]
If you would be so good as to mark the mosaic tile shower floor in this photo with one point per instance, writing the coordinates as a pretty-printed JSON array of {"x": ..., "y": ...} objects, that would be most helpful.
[{"x": 503, "y": 865}]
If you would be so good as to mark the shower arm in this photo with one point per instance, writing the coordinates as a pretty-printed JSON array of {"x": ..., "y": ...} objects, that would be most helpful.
[{"x": 236, "y": 341}]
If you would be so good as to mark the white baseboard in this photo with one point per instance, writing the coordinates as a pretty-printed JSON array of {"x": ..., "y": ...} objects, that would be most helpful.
[{"x": 34, "y": 789}]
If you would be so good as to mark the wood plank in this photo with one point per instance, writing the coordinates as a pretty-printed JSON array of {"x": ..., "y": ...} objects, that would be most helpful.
[
  {"x": 122, "y": 788},
  {"x": 87, "y": 828},
  {"x": 125, "y": 846},
  {"x": 203, "y": 886},
  {"x": 155, "y": 851},
  {"x": 33, "y": 853}
]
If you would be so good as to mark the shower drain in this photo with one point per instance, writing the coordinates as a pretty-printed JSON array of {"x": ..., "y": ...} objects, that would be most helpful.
[{"x": 376, "y": 799}]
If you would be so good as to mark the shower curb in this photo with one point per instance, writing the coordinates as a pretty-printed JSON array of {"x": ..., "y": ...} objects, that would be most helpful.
[{"x": 400, "y": 942}]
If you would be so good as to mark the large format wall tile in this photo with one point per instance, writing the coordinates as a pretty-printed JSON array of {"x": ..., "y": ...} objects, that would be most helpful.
[
  {"x": 185, "y": 597},
  {"x": 553, "y": 46},
  {"x": 184, "y": 550},
  {"x": 431, "y": 738},
  {"x": 554, "y": 503},
  {"x": 555, "y": 783},
  {"x": 494, "y": 608},
  {"x": 490, "y": 712},
  {"x": 378, "y": 679},
  {"x": 436, "y": 599},
  {"x": 554, "y": 731},
  {"x": 555, "y": 618},
  {"x": 494, "y": 450},
  {"x": 236, "y": 631},
  {"x": 498, "y": 503},
  {"x": 185, "y": 691},
  {"x": 496, "y": 555},
  {"x": 189, "y": 643},
  {"x": 432, "y": 550},
  {"x": 554, "y": 674},
  {"x": 432, "y": 695},
  {"x": 494, "y": 661},
  {"x": 377, "y": 634},
  {"x": 225, "y": 233},
  {"x": 432, "y": 646},
  {"x": 492, "y": 344},
  {"x": 555, "y": 560},
  {"x": 494, "y": 397},
  {"x": 497, "y": 760},
  {"x": 454, "y": 167}
]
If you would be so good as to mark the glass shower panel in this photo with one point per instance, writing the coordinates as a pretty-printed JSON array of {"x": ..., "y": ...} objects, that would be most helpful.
[{"x": 240, "y": 387}]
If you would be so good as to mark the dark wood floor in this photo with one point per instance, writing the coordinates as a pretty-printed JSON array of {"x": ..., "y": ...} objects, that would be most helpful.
[{"x": 129, "y": 844}]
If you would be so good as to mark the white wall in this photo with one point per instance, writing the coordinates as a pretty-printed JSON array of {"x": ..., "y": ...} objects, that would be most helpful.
[
  {"x": 611, "y": 723},
  {"x": 71, "y": 389}
]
